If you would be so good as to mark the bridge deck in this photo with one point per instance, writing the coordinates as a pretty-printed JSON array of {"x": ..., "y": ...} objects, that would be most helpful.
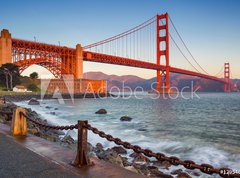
[{"x": 104, "y": 58}]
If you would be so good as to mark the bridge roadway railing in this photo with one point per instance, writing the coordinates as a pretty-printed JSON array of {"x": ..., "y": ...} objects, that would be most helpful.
[{"x": 83, "y": 160}]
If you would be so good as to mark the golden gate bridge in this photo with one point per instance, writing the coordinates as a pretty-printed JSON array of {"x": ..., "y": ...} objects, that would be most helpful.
[{"x": 144, "y": 46}]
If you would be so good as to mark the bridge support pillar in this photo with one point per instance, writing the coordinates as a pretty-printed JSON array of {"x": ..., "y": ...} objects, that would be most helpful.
[
  {"x": 79, "y": 62},
  {"x": 5, "y": 47},
  {"x": 163, "y": 76},
  {"x": 227, "y": 87}
]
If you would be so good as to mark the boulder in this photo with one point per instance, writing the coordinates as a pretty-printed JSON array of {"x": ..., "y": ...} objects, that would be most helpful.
[
  {"x": 159, "y": 174},
  {"x": 34, "y": 131},
  {"x": 119, "y": 150},
  {"x": 33, "y": 101},
  {"x": 141, "y": 168},
  {"x": 140, "y": 158},
  {"x": 53, "y": 113},
  {"x": 125, "y": 162},
  {"x": 176, "y": 172},
  {"x": 101, "y": 111},
  {"x": 110, "y": 156},
  {"x": 133, "y": 155},
  {"x": 163, "y": 164},
  {"x": 99, "y": 146},
  {"x": 68, "y": 139},
  {"x": 183, "y": 175},
  {"x": 125, "y": 118}
]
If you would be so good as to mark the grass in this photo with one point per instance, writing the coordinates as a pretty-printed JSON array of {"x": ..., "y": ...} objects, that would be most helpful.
[{"x": 17, "y": 93}]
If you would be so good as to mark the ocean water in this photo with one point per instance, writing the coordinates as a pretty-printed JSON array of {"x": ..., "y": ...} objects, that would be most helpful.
[{"x": 205, "y": 129}]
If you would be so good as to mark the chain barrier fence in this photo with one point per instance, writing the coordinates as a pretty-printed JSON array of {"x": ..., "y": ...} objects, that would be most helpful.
[{"x": 82, "y": 158}]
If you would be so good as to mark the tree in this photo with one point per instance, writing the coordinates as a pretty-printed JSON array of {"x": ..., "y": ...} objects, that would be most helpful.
[
  {"x": 34, "y": 75},
  {"x": 9, "y": 75},
  {"x": 32, "y": 87}
]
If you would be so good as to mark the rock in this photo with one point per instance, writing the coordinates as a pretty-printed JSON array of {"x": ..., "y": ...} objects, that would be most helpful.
[
  {"x": 68, "y": 139},
  {"x": 154, "y": 172},
  {"x": 33, "y": 101},
  {"x": 119, "y": 150},
  {"x": 55, "y": 108},
  {"x": 34, "y": 131},
  {"x": 49, "y": 135},
  {"x": 99, "y": 146},
  {"x": 53, "y": 113},
  {"x": 32, "y": 113},
  {"x": 158, "y": 174},
  {"x": 101, "y": 111},
  {"x": 176, "y": 172},
  {"x": 72, "y": 133},
  {"x": 197, "y": 174},
  {"x": 140, "y": 158},
  {"x": 110, "y": 156},
  {"x": 141, "y": 168},
  {"x": 125, "y": 118},
  {"x": 48, "y": 107},
  {"x": 164, "y": 164},
  {"x": 125, "y": 162},
  {"x": 133, "y": 155},
  {"x": 183, "y": 175},
  {"x": 131, "y": 168}
]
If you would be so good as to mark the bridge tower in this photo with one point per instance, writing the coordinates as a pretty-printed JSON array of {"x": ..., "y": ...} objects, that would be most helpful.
[
  {"x": 227, "y": 87},
  {"x": 79, "y": 62},
  {"x": 73, "y": 64},
  {"x": 163, "y": 77},
  {"x": 5, "y": 47}
]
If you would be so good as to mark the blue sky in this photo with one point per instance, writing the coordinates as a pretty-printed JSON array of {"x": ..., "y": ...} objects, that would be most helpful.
[{"x": 210, "y": 28}]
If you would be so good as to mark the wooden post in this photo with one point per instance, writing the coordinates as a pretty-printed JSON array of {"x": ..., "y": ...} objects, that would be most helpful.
[
  {"x": 19, "y": 123},
  {"x": 82, "y": 157}
]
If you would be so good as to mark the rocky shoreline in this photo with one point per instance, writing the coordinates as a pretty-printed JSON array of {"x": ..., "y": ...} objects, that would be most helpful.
[
  {"x": 116, "y": 155},
  {"x": 28, "y": 96}
]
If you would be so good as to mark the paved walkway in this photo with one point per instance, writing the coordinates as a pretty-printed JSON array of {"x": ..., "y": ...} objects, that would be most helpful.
[
  {"x": 34, "y": 157},
  {"x": 17, "y": 161}
]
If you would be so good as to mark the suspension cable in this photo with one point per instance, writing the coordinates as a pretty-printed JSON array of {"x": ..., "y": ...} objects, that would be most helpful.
[
  {"x": 186, "y": 45},
  {"x": 142, "y": 25},
  {"x": 183, "y": 53},
  {"x": 219, "y": 72}
]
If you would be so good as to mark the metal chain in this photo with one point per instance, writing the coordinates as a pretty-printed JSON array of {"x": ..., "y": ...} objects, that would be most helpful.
[
  {"x": 189, "y": 164},
  {"x": 46, "y": 126},
  {"x": 6, "y": 112},
  {"x": 205, "y": 168}
]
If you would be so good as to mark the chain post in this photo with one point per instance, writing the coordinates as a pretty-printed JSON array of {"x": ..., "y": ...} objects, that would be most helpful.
[{"x": 82, "y": 157}]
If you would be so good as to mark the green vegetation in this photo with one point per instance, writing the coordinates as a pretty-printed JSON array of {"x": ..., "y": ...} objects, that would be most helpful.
[
  {"x": 10, "y": 77},
  {"x": 33, "y": 87},
  {"x": 34, "y": 75}
]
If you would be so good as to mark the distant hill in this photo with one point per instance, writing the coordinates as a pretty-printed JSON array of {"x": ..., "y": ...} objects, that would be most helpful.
[
  {"x": 102, "y": 76},
  {"x": 177, "y": 80}
]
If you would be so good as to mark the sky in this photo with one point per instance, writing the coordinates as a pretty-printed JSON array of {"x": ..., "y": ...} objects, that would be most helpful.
[{"x": 210, "y": 28}]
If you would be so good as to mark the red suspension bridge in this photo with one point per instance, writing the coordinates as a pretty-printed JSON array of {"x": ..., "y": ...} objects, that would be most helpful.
[{"x": 144, "y": 46}]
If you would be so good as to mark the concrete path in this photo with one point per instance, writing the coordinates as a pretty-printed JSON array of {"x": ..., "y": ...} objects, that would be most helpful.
[
  {"x": 17, "y": 161},
  {"x": 35, "y": 157}
]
